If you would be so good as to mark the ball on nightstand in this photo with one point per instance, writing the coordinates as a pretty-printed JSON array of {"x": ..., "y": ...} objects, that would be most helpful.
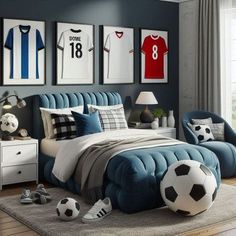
[
  {"x": 68, "y": 209},
  {"x": 8, "y": 123},
  {"x": 188, "y": 188}
]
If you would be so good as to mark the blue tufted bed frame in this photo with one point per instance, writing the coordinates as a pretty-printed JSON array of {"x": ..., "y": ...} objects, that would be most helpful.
[{"x": 132, "y": 178}]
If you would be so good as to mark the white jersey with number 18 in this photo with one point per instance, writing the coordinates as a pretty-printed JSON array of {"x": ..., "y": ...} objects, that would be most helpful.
[{"x": 75, "y": 46}]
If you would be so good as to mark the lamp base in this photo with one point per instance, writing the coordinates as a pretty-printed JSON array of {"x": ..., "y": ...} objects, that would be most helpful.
[
  {"x": 7, "y": 138},
  {"x": 146, "y": 116}
]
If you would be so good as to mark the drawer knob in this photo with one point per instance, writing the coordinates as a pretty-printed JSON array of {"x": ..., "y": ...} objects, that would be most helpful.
[
  {"x": 18, "y": 153},
  {"x": 19, "y": 172}
]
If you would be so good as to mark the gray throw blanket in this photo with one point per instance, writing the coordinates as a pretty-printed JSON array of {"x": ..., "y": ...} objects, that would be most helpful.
[{"x": 93, "y": 162}]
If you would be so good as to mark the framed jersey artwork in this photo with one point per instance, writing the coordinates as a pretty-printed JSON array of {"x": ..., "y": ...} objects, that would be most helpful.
[
  {"x": 154, "y": 56},
  {"x": 23, "y": 52},
  {"x": 118, "y": 55},
  {"x": 75, "y": 53}
]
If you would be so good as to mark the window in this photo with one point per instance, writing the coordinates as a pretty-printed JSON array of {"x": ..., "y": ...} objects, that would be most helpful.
[
  {"x": 233, "y": 72},
  {"x": 228, "y": 62}
]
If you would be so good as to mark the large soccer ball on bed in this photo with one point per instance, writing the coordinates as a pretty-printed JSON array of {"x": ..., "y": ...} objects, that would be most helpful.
[
  {"x": 68, "y": 209},
  {"x": 188, "y": 188}
]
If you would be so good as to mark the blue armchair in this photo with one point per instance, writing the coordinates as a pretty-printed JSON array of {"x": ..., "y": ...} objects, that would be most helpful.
[{"x": 225, "y": 151}]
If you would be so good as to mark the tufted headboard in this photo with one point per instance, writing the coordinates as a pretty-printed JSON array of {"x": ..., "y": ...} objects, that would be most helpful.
[{"x": 64, "y": 100}]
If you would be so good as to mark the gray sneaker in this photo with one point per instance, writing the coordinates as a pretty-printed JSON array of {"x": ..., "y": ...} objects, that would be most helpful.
[
  {"x": 26, "y": 197},
  {"x": 41, "y": 190},
  {"x": 38, "y": 198}
]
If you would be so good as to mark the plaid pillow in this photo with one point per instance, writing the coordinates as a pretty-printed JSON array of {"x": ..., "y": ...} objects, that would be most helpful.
[
  {"x": 63, "y": 126},
  {"x": 112, "y": 119}
]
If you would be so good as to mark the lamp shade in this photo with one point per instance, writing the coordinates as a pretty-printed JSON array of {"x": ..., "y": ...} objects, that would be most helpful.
[
  {"x": 7, "y": 104},
  {"x": 146, "y": 98}
]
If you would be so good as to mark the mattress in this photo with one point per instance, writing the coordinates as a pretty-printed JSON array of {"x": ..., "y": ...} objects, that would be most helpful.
[{"x": 50, "y": 147}]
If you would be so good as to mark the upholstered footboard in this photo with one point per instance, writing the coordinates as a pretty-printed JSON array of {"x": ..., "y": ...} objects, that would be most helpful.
[{"x": 133, "y": 178}]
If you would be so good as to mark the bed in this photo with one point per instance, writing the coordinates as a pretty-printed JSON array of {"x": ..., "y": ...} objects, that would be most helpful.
[{"x": 132, "y": 178}]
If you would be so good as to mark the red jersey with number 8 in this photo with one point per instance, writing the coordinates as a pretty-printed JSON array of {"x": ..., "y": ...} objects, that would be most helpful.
[{"x": 154, "y": 48}]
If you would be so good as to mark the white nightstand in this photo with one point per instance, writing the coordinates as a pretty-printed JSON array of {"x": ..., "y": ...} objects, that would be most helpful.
[{"x": 18, "y": 161}]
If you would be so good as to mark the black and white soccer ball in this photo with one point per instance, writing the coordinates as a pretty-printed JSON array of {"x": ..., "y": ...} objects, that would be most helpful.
[
  {"x": 8, "y": 123},
  {"x": 188, "y": 188},
  {"x": 68, "y": 209}
]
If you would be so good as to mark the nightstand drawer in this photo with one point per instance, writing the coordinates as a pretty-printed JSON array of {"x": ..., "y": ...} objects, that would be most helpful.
[
  {"x": 21, "y": 173},
  {"x": 19, "y": 154}
]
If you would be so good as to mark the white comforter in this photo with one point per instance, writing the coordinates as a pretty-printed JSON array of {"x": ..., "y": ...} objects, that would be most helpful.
[{"x": 67, "y": 156}]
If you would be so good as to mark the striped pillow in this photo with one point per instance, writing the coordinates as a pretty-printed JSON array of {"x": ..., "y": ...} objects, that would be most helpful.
[
  {"x": 112, "y": 119},
  {"x": 63, "y": 126}
]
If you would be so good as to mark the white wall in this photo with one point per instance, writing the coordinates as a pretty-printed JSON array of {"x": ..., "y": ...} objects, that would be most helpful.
[{"x": 188, "y": 29}]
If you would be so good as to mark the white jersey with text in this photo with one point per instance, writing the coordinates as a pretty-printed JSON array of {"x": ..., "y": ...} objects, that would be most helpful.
[
  {"x": 75, "y": 46},
  {"x": 118, "y": 46}
]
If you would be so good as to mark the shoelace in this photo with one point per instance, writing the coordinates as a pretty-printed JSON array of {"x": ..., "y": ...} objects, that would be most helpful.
[{"x": 26, "y": 193}]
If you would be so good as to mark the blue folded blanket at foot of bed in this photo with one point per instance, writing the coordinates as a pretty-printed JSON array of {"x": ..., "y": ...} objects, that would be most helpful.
[{"x": 132, "y": 179}]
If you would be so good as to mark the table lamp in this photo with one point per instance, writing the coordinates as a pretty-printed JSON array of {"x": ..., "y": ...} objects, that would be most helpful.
[
  {"x": 146, "y": 98},
  {"x": 7, "y": 104}
]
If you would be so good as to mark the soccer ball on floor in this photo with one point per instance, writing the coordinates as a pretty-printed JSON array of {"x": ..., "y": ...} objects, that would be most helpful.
[
  {"x": 188, "y": 188},
  {"x": 68, "y": 209}
]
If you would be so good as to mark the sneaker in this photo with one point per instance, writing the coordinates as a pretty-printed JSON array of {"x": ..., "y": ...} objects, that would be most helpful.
[
  {"x": 41, "y": 190},
  {"x": 100, "y": 209},
  {"x": 26, "y": 197},
  {"x": 39, "y": 198}
]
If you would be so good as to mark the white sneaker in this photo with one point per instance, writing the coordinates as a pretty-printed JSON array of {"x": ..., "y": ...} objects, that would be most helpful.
[{"x": 100, "y": 209}]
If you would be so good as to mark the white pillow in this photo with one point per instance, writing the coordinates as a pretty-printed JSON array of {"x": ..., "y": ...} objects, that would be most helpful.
[
  {"x": 47, "y": 121},
  {"x": 202, "y": 132},
  {"x": 93, "y": 108}
]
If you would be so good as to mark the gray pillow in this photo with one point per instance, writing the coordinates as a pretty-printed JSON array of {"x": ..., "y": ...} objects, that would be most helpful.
[
  {"x": 218, "y": 131},
  {"x": 206, "y": 121}
]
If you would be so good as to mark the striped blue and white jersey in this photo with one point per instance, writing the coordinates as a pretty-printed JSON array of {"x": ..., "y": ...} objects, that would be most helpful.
[{"x": 24, "y": 42}]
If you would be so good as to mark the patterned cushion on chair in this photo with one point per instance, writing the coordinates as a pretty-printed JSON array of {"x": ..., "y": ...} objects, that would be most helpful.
[{"x": 202, "y": 132}]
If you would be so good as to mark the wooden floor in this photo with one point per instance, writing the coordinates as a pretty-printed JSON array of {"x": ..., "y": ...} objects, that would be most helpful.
[{"x": 10, "y": 226}]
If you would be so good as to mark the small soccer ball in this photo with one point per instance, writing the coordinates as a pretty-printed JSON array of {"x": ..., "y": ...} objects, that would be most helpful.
[
  {"x": 8, "y": 123},
  {"x": 188, "y": 188},
  {"x": 68, "y": 209}
]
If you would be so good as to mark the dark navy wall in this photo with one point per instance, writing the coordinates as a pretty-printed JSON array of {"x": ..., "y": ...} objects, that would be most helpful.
[{"x": 151, "y": 14}]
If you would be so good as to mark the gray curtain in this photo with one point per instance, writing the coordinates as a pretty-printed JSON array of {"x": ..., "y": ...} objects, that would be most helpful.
[{"x": 208, "y": 71}]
